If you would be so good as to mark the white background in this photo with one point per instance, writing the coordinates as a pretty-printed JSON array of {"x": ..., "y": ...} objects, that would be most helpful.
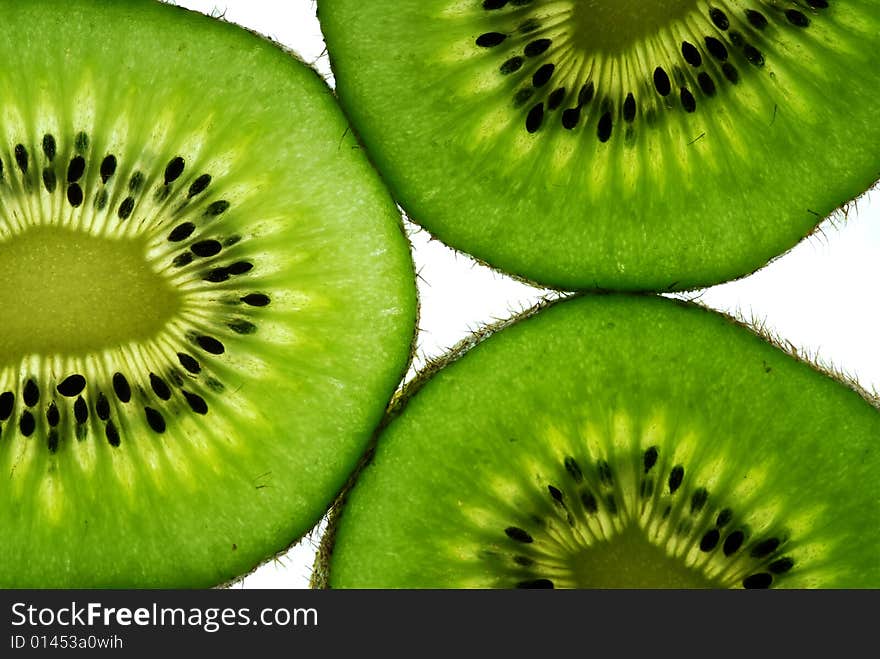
[{"x": 822, "y": 296}]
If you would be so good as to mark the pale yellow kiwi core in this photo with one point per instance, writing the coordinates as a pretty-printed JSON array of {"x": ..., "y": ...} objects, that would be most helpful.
[
  {"x": 631, "y": 560},
  {"x": 68, "y": 292},
  {"x": 612, "y": 26}
]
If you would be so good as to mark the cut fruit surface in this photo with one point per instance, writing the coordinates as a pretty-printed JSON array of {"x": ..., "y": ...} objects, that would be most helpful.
[
  {"x": 208, "y": 297},
  {"x": 618, "y": 441},
  {"x": 615, "y": 144}
]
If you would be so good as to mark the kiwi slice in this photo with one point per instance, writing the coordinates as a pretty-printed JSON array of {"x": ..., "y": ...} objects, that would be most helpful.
[
  {"x": 207, "y": 297},
  {"x": 618, "y": 441},
  {"x": 618, "y": 144}
]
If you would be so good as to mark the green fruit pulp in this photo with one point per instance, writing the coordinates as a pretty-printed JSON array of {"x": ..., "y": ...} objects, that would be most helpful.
[
  {"x": 619, "y": 441},
  {"x": 614, "y": 145},
  {"x": 213, "y": 297}
]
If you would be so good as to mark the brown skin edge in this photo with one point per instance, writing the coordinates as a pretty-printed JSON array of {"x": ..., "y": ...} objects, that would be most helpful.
[{"x": 321, "y": 571}]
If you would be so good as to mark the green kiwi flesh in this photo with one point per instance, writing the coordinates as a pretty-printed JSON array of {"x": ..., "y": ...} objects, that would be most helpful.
[
  {"x": 614, "y": 144},
  {"x": 207, "y": 297},
  {"x": 618, "y": 441}
]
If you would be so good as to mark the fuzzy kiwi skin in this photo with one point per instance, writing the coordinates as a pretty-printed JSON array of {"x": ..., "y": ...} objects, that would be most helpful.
[
  {"x": 848, "y": 516},
  {"x": 687, "y": 217},
  {"x": 190, "y": 513}
]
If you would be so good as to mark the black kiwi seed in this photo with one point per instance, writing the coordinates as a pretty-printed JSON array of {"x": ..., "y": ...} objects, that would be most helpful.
[
  {"x": 518, "y": 534},
  {"x": 27, "y": 424},
  {"x": 661, "y": 82},
  {"x": 733, "y": 542},
  {"x": 182, "y": 259},
  {"x": 102, "y": 407},
  {"x": 537, "y": 47},
  {"x": 605, "y": 475},
  {"x": 719, "y": 18},
  {"x": 112, "y": 434},
  {"x": 199, "y": 185},
  {"x": 188, "y": 362},
  {"x": 49, "y": 147},
  {"x": 7, "y": 402},
  {"x": 698, "y": 499},
  {"x": 80, "y": 410},
  {"x": 756, "y": 19},
  {"x": 490, "y": 39},
  {"x": 181, "y": 232},
  {"x": 52, "y": 441},
  {"x": 676, "y": 476},
  {"x": 589, "y": 502},
  {"x": 556, "y": 493},
  {"x": 211, "y": 345},
  {"x": 759, "y": 580},
  {"x": 205, "y": 248},
  {"x": 706, "y": 83},
  {"x": 525, "y": 561},
  {"x": 629, "y": 108},
  {"x": 535, "y": 118},
  {"x": 52, "y": 416},
  {"x": 155, "y": 419},
  {"x": 688, "y": 102},
  {"x": 217, "y": 208},
  {"x": 256, "y": 299},
  {"x": 50, "y": 181},
  {"x": 159, "y": 387},
  {"x": 512, "y": 65},
  {"x": 586, "y": 94},
  {"x": 781, "y": 565},
  {"x": 196, "y": 403},
  {"x": 174, "y": 169},
  {"x": 730, "y": 72},
  {"x": 691, "y": 54},
  {"x": 574, "y": 470},
  {"x": 121, "y": 387},
  {"x": 542, "y": 76},
  {"x": 21, "y": 158},
  {"x": 240, "y": 267},
  {"x": 570, "y": 118},
  {"x": 74, "y": 195},
  {"x": 717, "y": 49},
  {"x": 136, "y": 181},
  {"x": 242, "y": 327},
  {"x": 494, "y": 4},
  {"x": 650, "y": 458},
  {"x": 611, "y": 504},
  {"x": 522, "y": 96},
  {"x": 217, "y": 275},
  {"x": 796, "y": 18},
  {"x": 81, "y": 142},
  {"x": 175, "y": 377},
  {"x": 555, "y": 99},
  {"x": 126, "y": 208},
  {"x": 765, "y": 548},
  {"x": 606, "y": 124},
  {"x": 724, "y": 517},
  {"x": 31, "y": 393},
  {"x": 72, "y": 385},
  {"x": 76, "y": 169},
  {"x": 710, "y": 540},
  {"x": 108, "y": 168}
]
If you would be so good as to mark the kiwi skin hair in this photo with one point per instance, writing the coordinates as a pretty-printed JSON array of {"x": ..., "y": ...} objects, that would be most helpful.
[
  {"x": 207, "y": 302},
  {"x": 745, "y": 496}
]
